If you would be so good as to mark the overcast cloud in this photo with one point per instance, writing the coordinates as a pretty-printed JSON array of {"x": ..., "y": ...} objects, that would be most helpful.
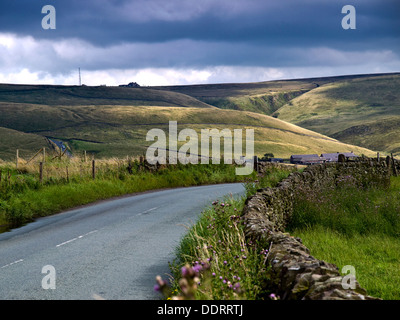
[{"x": 160, "y": 42}]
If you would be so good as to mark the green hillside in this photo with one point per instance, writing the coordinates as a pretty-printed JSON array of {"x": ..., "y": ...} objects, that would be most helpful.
[
  {"x": 262, "y": 97},
  {"x": 113, "y": 121},
  {"x": 27, "y": 144},
  {"x": 364, "y": 111}
]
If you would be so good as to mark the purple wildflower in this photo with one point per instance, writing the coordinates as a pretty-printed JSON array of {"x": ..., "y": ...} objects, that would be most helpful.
[
  {"x": 184, "y": 271},
  {"x": 197, "y": 268}
]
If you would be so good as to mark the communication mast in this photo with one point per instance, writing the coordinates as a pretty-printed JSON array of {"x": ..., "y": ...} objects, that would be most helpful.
[{"x": 80, "y": 80}]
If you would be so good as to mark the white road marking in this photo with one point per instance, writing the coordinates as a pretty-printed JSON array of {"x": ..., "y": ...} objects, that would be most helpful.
[
  {"x": 97, "y": 297},
  {"x": 79, "y": 237},
  {"x": 84, "y": 235},
  {"x": 10, "y": 264},
  {"x": 147, "y": 211}
]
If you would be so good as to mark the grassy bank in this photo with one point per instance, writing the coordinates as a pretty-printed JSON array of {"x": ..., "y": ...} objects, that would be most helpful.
[
  {"x": 350, "y": 226},
  {"x": 69, "y": 183},
  {"x": 214, "y": 260}
]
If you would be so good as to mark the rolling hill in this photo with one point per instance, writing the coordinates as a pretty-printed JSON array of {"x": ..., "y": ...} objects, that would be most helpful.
[
  {"x": 98, "y": 95},
  {"x": 262, "y": 97},
  {"x": 362, "y": 111},
  {"x": 114, "y": 121},
  {"x": 26, "y": 143}
]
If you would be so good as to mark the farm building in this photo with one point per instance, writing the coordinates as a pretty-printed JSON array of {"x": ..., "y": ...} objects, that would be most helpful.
[
  {"x": 306, "y": 159},
  {"x": 130, "y": 85},
  {"x": 315, "y": 158},
  {"x": 333, "y": 157}
]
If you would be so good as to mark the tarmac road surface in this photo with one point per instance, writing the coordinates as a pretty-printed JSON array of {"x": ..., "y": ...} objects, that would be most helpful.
[{"x": 110, "y": 250}]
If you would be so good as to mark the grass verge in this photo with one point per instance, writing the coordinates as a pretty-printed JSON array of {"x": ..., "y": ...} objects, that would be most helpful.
[
  {"x": 23, "y": 197},
  {"x": 214, "y": 261}
]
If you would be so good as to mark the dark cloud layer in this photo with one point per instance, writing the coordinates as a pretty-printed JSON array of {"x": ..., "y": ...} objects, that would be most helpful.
[
  {"x": 105, "y": 22},
  {"x": 202, "y": 33}
]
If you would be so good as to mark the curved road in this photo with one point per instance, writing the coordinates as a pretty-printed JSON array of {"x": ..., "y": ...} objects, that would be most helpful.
[{"x": 110, "y": 250}]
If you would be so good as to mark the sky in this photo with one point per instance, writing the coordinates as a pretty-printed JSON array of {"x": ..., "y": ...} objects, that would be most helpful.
[{"x": 179, "y": 42}]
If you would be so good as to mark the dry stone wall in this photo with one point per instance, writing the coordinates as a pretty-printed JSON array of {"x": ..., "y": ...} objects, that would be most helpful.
[{"x": 294, "y": 272}]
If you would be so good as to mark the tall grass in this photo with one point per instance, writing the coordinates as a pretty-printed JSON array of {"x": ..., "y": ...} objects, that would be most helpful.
[
  {"x": 218, "y": 241},
  {"x": 358, "y": 227},
  {"x": 350, "y": 210},
  {"x": 223, "y": 265}
]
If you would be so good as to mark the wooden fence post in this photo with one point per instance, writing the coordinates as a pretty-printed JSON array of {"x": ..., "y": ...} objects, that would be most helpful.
[
  {"x": 67, "y": 174},
  {"x": 130, "y": 166},
  {"x": 141, "y": 163},
  {"x": 394, "y": 165},
  {"x": 44, "y": 155},
  {"x": 255, "y": 161},
  {"x": 388, "y": 162},
  {"x": 41, "y": 172},
  {"x": 16, "y": 159},
  {"x": 94, "y": 169}
]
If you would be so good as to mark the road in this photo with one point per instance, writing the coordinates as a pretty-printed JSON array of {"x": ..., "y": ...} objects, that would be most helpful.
[{"x": 110, "y": 250}]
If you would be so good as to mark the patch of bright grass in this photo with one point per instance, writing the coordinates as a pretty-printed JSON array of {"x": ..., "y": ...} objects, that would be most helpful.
[
  {"x": 376, "y": 258},
  {"x": 351, "y": 226}
]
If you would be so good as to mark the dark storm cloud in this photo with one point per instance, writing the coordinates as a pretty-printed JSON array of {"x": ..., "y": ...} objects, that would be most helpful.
[
  {"x": 123, "y": 34},
  {"x": 106, "y": 22}
]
